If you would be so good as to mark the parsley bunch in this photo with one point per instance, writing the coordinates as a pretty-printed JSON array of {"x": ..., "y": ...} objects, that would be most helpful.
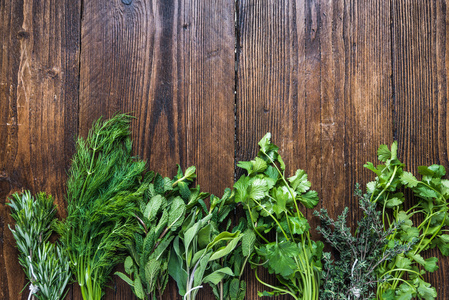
[
  {"x": 102, "y": 190},
  {"x": 44, "y": 264},
  {"x": 283, "y": 244}
]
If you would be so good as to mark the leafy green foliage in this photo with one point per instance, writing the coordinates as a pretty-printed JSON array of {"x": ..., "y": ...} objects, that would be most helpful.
[
  {"x": 202, "y": 253},
  {"x": 44, "y": 263},
  {"x": 405, "y": 273},
  {"x": 279, "y": 229},
  {"x": 231, "y": 286},
  {"x": 161, "y": 214},
  {"x": 351, "y": 275},
  {"x": 103, "y": 188}
]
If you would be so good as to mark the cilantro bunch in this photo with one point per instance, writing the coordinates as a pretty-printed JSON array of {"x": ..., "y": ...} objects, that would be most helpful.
[
  {"x": 45, "y": 266},
  {"x": 283, "y": 244},
  {"x": 103, "y": 187},
  {"x": 403, "y": 277}
]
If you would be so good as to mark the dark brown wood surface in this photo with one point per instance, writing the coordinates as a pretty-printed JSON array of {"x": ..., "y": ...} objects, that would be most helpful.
[{"x": 331, "y": 80}]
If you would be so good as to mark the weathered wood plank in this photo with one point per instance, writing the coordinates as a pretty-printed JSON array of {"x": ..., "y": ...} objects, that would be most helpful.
[
  {"x": 38, "y": 110},
  {"x": 279, "y": 88},
  {"x": 170, "y": 63},
  {"x": 317, "y": 74},
  {"x": 420, "y": 66}
]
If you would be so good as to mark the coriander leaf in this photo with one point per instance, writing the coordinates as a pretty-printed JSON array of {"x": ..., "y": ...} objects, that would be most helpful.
[
  {"x": 299, "y": 181},
  {"x": 425, "y": 290},
  {"x": 280, "y": 257},
  {"x": 258, "y": 189},
  {"x": 409, "y": 180},
  {"x": 298, "y": 226},
  {"x": 383, "y": 153},
  {"x": 309, "y": 199}
]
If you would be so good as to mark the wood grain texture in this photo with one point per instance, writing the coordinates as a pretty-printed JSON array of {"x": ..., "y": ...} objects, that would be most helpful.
[
  {"x": 420, "y": 68},
  {"x": 330, "y": 79},
  {"x": 170, "y": 63},
  {"x": 39, "y": 107},
  {"x": 279, "y": 89}
]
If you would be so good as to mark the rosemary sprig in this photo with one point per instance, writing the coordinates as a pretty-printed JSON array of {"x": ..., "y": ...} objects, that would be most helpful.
[{"x": 45, "y": 266}]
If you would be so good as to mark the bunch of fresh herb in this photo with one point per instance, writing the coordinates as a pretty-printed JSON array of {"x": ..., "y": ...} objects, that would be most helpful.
[
  {"x": 162, "y": 212},
  {"x": 352, "y": 275},
  {"x": 198, "y": 245},
  {"x": 102, "y": 192},
  {"x": 405, "y": 274},
  {"x": 230, "y": 287},
  {"x": 45, "y": 266},
  {"x": 283, "y": 242}
]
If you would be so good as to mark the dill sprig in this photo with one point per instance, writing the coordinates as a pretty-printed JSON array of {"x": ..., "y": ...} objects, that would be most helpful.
[
  {"x": 44, "y": 265},
  {"x": 102, "y": 191}
]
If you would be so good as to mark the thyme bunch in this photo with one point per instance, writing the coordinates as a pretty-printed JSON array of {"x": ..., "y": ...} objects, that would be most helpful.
[{"x": 353, "y": 274}]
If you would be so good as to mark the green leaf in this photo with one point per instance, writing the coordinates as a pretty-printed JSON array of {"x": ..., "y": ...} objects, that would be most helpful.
[
  {"x": 404, "y": 292},
  {"x": 258, "y": 189},
  {"x": 370, "y": 166},
  {"x": 241, "y": 187},
  {"x": 125, "y": 278},
  {"x": 218, "y": 275},
  {"x": 266, "y": 146},
  {"x": 298, "y": 226},
  {"x": 192, "y": 231},
  {"x": 152, "y": 269},
  {"x": 282, "y": 196},
  {"x": 176, "y": 214},
  {"x": 128, "y": 265},
  {"x": 299, "y": 181},
  {"x": 152, "y": 208},
  {"x": 383, "y": 153},
  {"x": 403, "y": 262},
  {"x": 393, "y": 202},
  {"x": 184, "y": 190},
  {"x": 248, "y": 241},
  {"x": 227, "y": 249},
  {"x": 254, "y": 166},
  {"x": 309, "y": 199},
  {"x": 280, "y": 257},
  {"x": 431, "y": 264},
  {"x": 425, "y": 192},
  {"x": 409, "y": 179},
  {"x": 425, "y": 290},
  {"x": 138, "y": 288},
  {"x": 190, "y": 173},
  {"x": 371, "y": 187}
]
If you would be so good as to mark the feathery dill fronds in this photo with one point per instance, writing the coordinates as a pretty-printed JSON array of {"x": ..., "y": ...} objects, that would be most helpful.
[
  {"x": 43, "y": 263},
  {"x": 102, "y": 191}
]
